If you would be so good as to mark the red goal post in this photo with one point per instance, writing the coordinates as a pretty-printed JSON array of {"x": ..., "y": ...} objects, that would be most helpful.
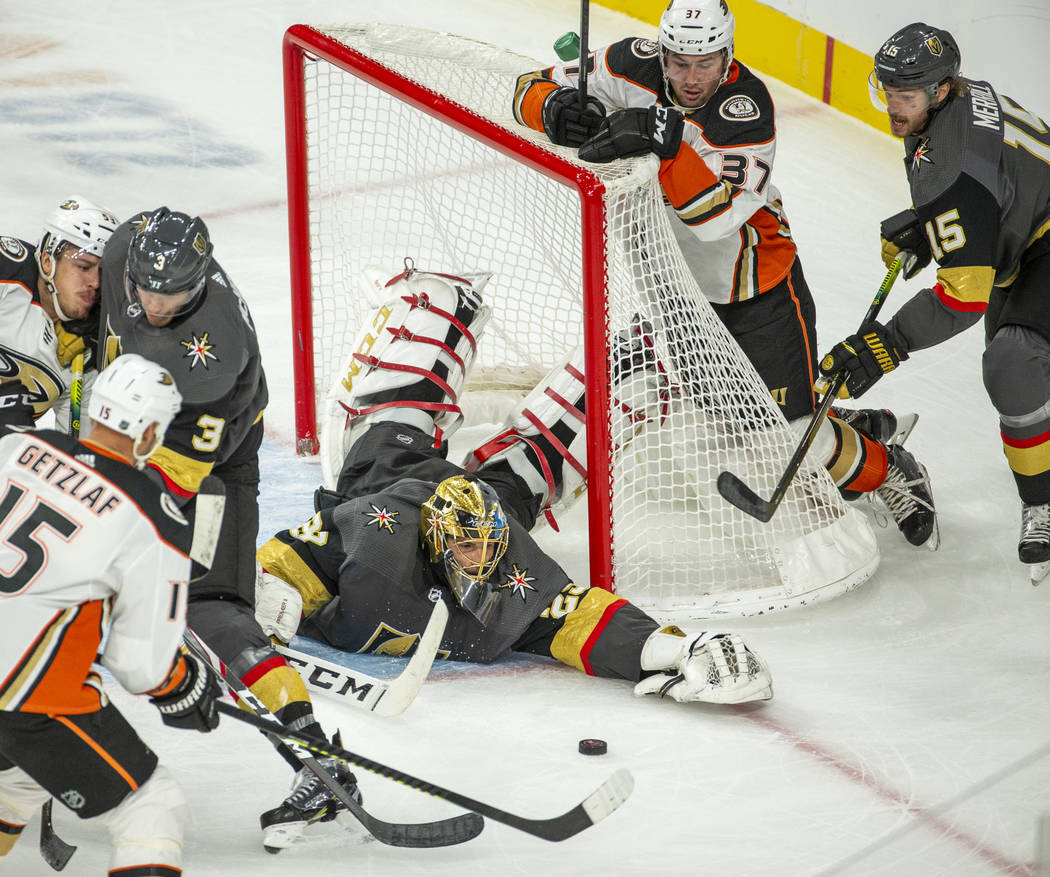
[{"x": 400, "y": 143}]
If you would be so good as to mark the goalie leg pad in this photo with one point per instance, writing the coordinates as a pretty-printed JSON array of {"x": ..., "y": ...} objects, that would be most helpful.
[
  {"x": 543, "y": 434},
  {"x": 409, "y": 363}
]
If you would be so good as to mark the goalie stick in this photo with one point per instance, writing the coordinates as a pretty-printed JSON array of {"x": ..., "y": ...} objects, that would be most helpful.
[
  {"x": 446, "y": 832},
  {"x": 735, "y": 491},
  {"x": 385, "y": 698},
  {"x": 592, "y": 809},
  {"x": 207, "y": 523}
]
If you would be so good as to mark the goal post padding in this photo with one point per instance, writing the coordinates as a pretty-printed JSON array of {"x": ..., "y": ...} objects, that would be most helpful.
[{"x": 401, "y": 143}]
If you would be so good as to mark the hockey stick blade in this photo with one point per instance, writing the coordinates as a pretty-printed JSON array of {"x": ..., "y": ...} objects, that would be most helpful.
[
  {"x": 734, "y": 491},
  {"x": 385, "y": 698},
  {"x": 207, "y": 520},
  {"x": 594, "y": 808},
  {"x": 56, "y": 852},
  {"x": 443, "y": 833}
]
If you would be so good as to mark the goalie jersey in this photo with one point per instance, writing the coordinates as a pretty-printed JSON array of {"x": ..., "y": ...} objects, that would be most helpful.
[
  {"x": 368, "y": 587},
  {"x": 726, "y": 213},
  {"x": 213, "y": 354},
  {"x": 28, "y": 351},
  {"x": 91, "y": 552}
]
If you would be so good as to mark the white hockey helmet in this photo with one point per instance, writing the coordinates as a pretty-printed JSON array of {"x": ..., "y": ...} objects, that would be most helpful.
[
  {"x": 698, "y": 27},
  {"x": 131, "y": 393},
  {"x": 80, "y": 223}
]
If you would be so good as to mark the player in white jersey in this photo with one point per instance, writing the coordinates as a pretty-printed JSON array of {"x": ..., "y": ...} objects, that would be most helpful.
[
  {"x": 93, "y": 552},
  {"x": 48, "y": 299},
  {"x": 710, "y": 120}
]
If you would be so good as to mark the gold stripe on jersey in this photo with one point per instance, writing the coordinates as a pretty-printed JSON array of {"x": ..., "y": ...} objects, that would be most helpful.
[
  {"x": 576, "y": 628},
  {"x": 19, "y": 684},
  {"x": 185, "y": 472},
  {"x": 970, "y": 286},
  {"x": 283, "y": 561},
  {"x": 530, "y": 112},
  {"x": 1028, "y": 456}
]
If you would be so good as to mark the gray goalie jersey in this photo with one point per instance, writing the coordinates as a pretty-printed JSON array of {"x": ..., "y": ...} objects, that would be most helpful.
[{"x": 368, "y": 587}]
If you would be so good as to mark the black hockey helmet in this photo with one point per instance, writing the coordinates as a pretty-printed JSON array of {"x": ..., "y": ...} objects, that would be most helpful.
[
  {"x": 168, "y": 255},
  {"x": 917, "y": 56}
]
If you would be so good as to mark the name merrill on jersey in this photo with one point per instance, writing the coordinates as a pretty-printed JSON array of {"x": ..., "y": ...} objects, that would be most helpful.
[
  {"x": 84, "y": 486},
  {"x": 985, "y": 107}
]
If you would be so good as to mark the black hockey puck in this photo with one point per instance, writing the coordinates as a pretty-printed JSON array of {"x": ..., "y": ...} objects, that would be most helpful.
[{"x": 591, "y": 746}]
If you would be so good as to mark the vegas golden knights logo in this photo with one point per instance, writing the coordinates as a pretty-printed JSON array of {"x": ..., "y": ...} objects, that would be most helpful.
[{"x": 934, "y": 45}]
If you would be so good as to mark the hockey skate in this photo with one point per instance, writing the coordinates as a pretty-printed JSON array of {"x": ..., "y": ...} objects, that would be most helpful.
[
  {"x": 907, "y": 497},
  {"x": 1034, "y": 545},
  {"x": 309, "y": 802}
]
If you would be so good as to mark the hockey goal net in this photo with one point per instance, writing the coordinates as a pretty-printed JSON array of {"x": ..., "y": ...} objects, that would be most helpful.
[{"x": 401, "y": 143}]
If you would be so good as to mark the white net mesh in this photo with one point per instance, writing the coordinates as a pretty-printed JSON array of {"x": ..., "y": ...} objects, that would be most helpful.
[{"x": 388, "y": 180}]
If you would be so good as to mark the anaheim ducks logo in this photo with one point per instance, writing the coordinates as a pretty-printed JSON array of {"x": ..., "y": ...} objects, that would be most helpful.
[
  {"x": 739, "y": 108},
  {"x": 13, "y": 249},
  {"x": 42, "y": 385},
  {"x": 645, "y": 48}
]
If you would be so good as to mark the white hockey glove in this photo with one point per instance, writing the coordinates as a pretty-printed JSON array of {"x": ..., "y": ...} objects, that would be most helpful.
[
  {"x": 710, "y": 667},
  {"x": 278, "y": 606}
]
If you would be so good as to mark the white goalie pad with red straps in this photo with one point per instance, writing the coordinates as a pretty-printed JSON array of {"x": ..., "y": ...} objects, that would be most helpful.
[{"x": 409, "y": 362}]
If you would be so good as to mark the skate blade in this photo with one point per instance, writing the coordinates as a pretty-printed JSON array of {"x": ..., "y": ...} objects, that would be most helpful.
[
  {"x": 1037, "y": 572},
  {"x": 905, "y": 424},
  {"x": 280, "y": 837}
]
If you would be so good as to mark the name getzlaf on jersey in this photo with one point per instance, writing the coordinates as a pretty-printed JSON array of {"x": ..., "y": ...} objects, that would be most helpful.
[
  {"x": 90, "y": 549},
  {"x": 27, "y": 336}
]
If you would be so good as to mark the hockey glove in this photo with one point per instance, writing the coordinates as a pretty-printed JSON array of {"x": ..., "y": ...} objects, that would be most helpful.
[
  {"x": 15, "y": 409},
  {"x": 278, "y": 606},
  {"x": 188, "y": 698},
  {"x": 635, "y": 131},
  {"x": 902, "y": 234},
  {"x": 865, "y": 357},
  {"x": 565, "y": 123},
  {"x": 78, "y": 336},
  {"x": 709, "y": 667}
]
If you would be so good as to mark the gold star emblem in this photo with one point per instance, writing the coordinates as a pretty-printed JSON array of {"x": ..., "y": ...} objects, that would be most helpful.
[
  {"x": 199, "y": 350},
  {"x": 518, "y": 582},
  {"x": 383, "y": 519},
  {"x": 921, "y": 154}
]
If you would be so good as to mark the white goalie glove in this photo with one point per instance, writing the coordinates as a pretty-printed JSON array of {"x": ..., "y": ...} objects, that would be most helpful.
[
  {"x": 278, "y": 606},
  {"x": 709, "y": 667}
]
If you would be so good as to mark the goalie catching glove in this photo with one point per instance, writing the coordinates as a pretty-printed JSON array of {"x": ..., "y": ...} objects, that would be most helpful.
[
  {"x": 902, "y": 236},
  {"x": 565, "y": 122},
  {"x": 864, "y": 357},
  {"x": 635, "y": 131},
  {"x": 187, "y": 697},
  {"x": 709, "y": 667}
]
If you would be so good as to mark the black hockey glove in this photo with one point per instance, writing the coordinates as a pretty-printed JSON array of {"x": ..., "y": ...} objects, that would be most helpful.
[
  {"x": 902, "y": 234},
  {"x": 191, "y": 704},
  {"x": 14, "y": 409},
  {"x": 563, "y": 120},
  {"x": 635, "y": 131},
  {"x": 865, "y": 357}
]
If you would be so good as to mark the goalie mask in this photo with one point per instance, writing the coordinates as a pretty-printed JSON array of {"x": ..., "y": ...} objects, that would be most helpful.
[{"x": 465, "y": 533}]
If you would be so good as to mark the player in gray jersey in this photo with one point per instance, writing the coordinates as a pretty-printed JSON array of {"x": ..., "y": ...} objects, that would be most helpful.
[
  {"x": 405, "y": 527},
  {"x": 165, "y": 296},
  {"x": 979, "y": 169}
]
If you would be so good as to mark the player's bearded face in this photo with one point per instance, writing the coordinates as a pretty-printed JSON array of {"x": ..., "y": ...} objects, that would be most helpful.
[
  {"x": 76, "y": 281},
  {"x": 694, "y": 78}
]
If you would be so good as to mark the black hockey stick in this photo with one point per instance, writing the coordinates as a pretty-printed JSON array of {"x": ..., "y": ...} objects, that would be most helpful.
[
  {"x": 585, "y": 20},
  {"x": 56, "y": 852},
  {"x": 446, "y": 832},
  {"x": 594, "y": 808},
  {"x": 734, "y": 490}
]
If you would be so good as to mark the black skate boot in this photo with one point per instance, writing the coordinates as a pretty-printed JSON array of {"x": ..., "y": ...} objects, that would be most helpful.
[
  {"x": 908, "y": 498},
  {"x": 310, "y": 802},
  {"x": 1034, "y": 546}
]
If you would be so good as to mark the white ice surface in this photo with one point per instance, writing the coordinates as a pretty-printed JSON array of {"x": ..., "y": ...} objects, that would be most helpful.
[{"x": 901, "y": 710}]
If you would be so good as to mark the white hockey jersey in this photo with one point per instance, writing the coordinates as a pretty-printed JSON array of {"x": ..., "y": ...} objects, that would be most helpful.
[
  {"x": 28, "y": 349},
  {"x": 725, "y": 211},
  {"x": 92, "y": 554}
]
